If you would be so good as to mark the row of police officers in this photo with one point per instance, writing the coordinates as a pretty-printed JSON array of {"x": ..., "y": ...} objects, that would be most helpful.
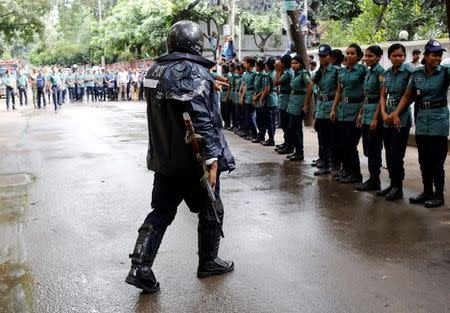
[{"x": 353, "y": 101}]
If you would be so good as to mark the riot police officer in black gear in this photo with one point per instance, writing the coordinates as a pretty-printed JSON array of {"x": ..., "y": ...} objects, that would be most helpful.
[{"x": 181, "y": 82}]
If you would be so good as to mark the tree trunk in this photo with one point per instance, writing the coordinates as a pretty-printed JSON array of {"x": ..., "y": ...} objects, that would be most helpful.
[
  {"x": 380, "y": 18},
  {"x": 447, "y": 6}
]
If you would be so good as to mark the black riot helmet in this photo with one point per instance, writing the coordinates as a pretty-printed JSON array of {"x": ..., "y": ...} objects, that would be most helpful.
[{"x": 185, "y": 36}]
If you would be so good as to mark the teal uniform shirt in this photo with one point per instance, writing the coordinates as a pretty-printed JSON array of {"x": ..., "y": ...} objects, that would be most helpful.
[
  {"x": 285, "y": 89},
  {"x": 326, "y": 91},
  {"x": 22, "y": 81},
  {"x": 249, "y": 80},
  {"x": 238, "y": 83},
  {"x": 232, "y": 83},
  {"x": 10, "y": 80},
  {"x": 395, "y": 85},
  {"x": 90, "y": 80},
  {"x": 372, "y": 85},
  {"x": 431, "y": 90},
  {"x": 297, "y": 99},
  {"x": 99, "y": 79},
  {"x": 258, "y": 86},
  {"x": 272, "y": 98},
  {"x": 352, "y": 84},
  {"x": 224, "y": 91},
  {"x": 70, "y": 80},
  {"x": 80, "y": 78},
  {"x": 55, "y": 79}
]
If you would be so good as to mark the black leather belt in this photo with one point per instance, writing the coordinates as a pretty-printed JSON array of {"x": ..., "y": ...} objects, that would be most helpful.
[
  {"x": 298, "y": 93},
  {"x": 372, "y": 100},
  {"x": 326, "y": 98},
  {"x": 432, "y": 105},
  {"x": 285, "y": 92},
  {"x": 352, "y": 100}
]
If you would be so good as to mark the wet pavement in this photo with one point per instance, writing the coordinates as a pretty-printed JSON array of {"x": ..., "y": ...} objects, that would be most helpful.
[{"x": 74, "y": 189}]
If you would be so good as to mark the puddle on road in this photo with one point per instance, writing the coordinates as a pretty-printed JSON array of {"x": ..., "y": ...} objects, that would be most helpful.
[{"x": 15, "y": 278}]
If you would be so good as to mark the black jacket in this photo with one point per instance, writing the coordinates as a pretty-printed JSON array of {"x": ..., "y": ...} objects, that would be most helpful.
[{"x": 177, "y": 83}]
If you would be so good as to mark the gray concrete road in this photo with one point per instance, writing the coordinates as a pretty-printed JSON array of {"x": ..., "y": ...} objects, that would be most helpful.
[{"x": 74, "y": 189}]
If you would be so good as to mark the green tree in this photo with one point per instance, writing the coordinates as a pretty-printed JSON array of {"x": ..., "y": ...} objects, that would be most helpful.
[{"x": 22, "y": 20}]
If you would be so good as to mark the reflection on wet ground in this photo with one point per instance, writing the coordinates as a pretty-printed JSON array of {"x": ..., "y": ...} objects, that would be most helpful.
[{"x": 15, "y": 278}]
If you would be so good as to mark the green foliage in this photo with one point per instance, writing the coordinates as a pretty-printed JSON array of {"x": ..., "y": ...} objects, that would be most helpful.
[
  {"x": 22, "y": 20},
  {"x": 383, "y": 23}
]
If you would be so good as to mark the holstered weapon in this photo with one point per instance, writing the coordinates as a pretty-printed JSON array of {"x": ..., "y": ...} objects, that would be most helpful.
[{"x": 192, "y": 139}]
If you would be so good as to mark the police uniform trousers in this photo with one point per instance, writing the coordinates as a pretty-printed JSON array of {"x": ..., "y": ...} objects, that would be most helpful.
[
  {"x": 268, "y": 121},
  {"x": 167, "y": 194},
  {"x": 432, "y": 155},
  {"x": 10, "y": 94},
  {"x": 23, "y": 95},
  {"x": 284, "y": 124},
  {"x": 349, "y": 138},
  {"x": 251, "y": 119},
  {"x": 40, "y": 94},
  {"x": 296, "y": 131},
  {"x": 323, "y": 127},
  {"x": 372, "y": 147},
  {"x": 395, "y": 143},
  {"x": 260, "y": 122},
  {"x": 225, "y": 110}
]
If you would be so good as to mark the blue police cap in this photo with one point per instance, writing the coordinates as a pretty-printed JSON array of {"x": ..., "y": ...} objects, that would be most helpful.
[
  {"x": 324, "y": 50},
  {"x": 434, "y": 46}
]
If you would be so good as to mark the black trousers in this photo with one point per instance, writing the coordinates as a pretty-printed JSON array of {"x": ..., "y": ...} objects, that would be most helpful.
[
  {"x": 225, "y": 110},
  {"x": 395, "y": 143},
  {"x": 432, "y": 154},
  {"x": 41, "y": 94},
  {"x": 167, "y": 194},
  {"x": 336, "y": 157},
  {"x": 372, "y": 146},
  {"x": 295, "y": 132},
  {"x": 23, "y": 95},
  {"x": 323, "y": 126},
  {"x": 260, "y": 122},
  {"x": 349, "y": 136},
  {"x": 269, "y": 116}
]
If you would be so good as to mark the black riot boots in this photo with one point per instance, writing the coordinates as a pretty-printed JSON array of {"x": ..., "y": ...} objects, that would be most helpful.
[
  {"x": 208, "y": 247},
  {"x": 147, "y": 244}
]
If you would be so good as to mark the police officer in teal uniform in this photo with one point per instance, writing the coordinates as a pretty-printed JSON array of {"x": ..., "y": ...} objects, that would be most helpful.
[
  {"x": 99, "y": 78},
  {"x": 346, "y": 106},
  {"x": 240, "y": 116},
  {"x": 428, "y": 86},
  {"x": 269, "y": 101},
  {"x": 70, "y": 82},
  {"x": 283, "y": 80},
  {"x": 10, "y": 82},
  {"x": 56, "y": 85},
  {"x": 22, "y": 87},
  {"x": 395, "y": 138},
  {"x": 224, "y": 96},
  {"x": 369, "y": 119},
  {"x": 299, "y": 105},
  {"x": 326, "y": 80},
  {"x": 90, "y": 84},
  {"x": 258, "y": 89},
  {"x": 81, "y": 84},
  {"x": 249, "y": 82}
]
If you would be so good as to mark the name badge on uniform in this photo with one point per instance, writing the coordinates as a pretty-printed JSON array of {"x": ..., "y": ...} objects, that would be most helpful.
[
  {"x": 418, "y": 92},
  {"x": 150, "y": 83}
]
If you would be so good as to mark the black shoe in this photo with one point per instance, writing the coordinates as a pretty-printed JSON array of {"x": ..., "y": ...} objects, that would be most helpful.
[
  {"x": 435, "y": 202},
  {"x": 248, "y": 137},
  {"x": 422, "y": 198},
  {"x": 268, "y": 143},
  {"x": 322, "y": 171},
  {"x": 256, "y": 140},
  {"x": 335, "y": 167},
  {"x": 369, "y": 185},
  {"x": 286, "y": 150},
  {"x": 351, "y": 179},
  {"x": 279, "y": 147},
  {"x": 384, "y": 192},
  {"x": 340, "y": 175},
  {"x": 296, "y": 157},
  {"x": 396, "y": 193},
  {"x": 318, "y": 163},
  {"x": 214, "y": 267},
  {"x": 142, "y": 277}
]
